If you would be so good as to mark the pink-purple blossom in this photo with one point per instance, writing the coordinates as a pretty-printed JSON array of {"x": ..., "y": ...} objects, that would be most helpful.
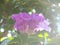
[
  {"x": 44, "y": 26},
  {"x": 27, "y": 23}
]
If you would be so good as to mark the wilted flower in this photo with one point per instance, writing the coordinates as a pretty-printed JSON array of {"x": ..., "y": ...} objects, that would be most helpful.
[{"x": 26, "y": 23}]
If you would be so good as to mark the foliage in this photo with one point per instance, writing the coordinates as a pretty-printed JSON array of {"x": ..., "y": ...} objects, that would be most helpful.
[{"x": 9, "y": 7}]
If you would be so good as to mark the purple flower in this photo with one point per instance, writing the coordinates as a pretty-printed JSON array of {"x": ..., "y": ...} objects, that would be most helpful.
[
  {"x": 26, "y": 23},
  {"x": 44, "y": 26}
]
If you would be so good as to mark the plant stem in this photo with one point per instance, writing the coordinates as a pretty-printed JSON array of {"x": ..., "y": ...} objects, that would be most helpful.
[{"x": 45, "y": 42}]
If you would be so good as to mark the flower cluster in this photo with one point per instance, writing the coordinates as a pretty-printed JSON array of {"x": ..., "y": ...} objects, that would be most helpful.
[{"x": 29, "y": 23}]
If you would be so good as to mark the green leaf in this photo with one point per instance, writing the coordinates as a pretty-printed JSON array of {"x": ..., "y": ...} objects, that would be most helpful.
[{"x": 6, "y": 1}]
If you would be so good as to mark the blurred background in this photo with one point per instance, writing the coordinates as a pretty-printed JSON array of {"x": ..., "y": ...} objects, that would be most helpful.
[{"x": 49, "y": 8}]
